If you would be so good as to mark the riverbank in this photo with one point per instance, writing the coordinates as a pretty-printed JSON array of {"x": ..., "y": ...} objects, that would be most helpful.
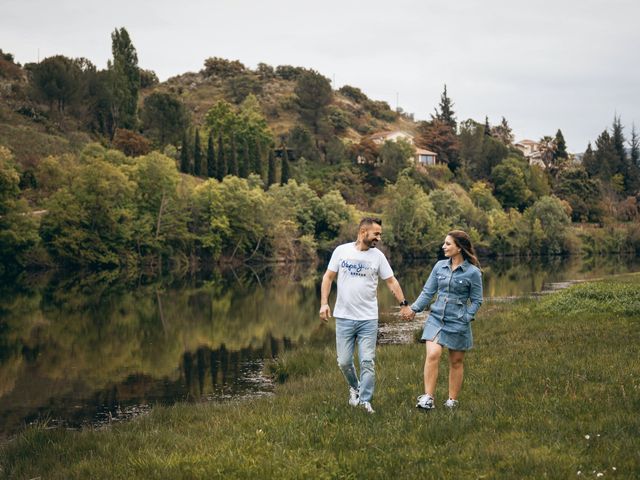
[{"x": 552, "y": 388}]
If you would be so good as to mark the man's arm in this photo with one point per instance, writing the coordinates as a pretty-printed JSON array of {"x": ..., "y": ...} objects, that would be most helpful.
[
  {"x": 327, "y": 279},
  {"x": 395, "y": 288}
]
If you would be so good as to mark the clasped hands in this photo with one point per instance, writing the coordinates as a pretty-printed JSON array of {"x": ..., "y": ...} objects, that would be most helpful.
[{"x": 406, "y": 313}]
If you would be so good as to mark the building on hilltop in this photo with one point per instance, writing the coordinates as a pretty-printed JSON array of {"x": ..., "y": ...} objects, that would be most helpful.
[{"x": 422, "y": 156}]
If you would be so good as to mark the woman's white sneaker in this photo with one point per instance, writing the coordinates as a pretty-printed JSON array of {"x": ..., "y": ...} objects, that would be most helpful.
[
  {"x": 451, "y": 404},
  {"x": 425, "y": 402}
]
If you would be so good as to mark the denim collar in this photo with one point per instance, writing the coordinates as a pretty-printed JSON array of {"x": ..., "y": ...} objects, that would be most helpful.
[{"x": 463, "y": 266}]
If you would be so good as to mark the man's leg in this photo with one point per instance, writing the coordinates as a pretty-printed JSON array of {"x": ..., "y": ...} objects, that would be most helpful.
[
  {"x": 345, "y": 342},
  {"x": 367, "y": 336}
]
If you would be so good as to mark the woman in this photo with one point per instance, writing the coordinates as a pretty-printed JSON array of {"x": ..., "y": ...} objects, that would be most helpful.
[{"x": 458, "y": 283}]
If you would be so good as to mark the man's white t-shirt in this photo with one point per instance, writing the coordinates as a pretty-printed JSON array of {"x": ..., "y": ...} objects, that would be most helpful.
[{"x": 358, "y": 273}]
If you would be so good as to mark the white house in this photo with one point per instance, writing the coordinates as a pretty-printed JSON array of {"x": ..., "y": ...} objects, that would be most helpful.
[
  {"x": 531, "y": 151},
  {"x": 422, "y": 157}
]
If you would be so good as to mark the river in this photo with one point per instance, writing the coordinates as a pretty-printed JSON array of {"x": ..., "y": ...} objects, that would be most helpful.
[{"x": 93, "y": 349}]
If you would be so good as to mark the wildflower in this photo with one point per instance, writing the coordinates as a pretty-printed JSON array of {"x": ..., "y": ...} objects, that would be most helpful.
[{"x": 587, "y": 437}]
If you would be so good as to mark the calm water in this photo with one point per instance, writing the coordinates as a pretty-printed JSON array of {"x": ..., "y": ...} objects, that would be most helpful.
[{"x": 92, "y": 349}]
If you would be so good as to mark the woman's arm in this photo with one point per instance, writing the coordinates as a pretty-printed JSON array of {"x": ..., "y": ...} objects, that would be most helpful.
[
  {"x": 428, "y": 291},
  {"x": 475, "y": 295}
]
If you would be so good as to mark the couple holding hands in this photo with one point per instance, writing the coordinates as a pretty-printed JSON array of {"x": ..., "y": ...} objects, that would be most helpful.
[{"x": 457, "y": 281}]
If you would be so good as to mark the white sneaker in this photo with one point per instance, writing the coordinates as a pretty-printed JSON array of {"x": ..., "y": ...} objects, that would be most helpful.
[
  {"x": 367, "y": 407},
  {"x": 425, "y": 402},
  {"x": 354, "y": 397},
  {"x": 451, "y": 403}
]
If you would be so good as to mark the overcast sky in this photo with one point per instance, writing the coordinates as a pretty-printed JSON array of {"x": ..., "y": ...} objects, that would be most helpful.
[{"x": 543, "y": 65}]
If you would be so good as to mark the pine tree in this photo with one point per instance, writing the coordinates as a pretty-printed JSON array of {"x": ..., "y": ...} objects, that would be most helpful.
[
  {"x": 606, "y": 157},
  {"x": 245, "y": 161},
  {"x": 198, "y": 168},
  {"x": 185, "y": 160},
  {"x": 589, "y": 161},
  {"x": 222, "y": 162},
  {"x": 271, "y": 172},
  {"x": 487, "y": 127},
  {"x": 211, "y": 158},
  {"x": 284, "y": 171},
  {"x": 617, "y": 140},
  {"x": 561, "y": 146},
  {"x": 233, "y": 163},
  {"x": 446, "y": 113},
  {"x": 634, "y": 146}
]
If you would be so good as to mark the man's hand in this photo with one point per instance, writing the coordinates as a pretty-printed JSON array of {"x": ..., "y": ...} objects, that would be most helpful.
[
  {"x": 325, "y": 312},
  {"x": 407, "y": 313}
]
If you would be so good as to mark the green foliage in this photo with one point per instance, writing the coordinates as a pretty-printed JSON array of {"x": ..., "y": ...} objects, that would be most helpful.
[
  {"x": 124, "y": 76},
  {"x": 301, "y": 140},
  {"x": 199, "y": 168},
  {"x": 164, "y": 118},
  {"x": 239, "y": 87},
  {"x": 446, "y": 114},
  {"x": 510, "y": 186},
  {"x": 548, "y": 220},
  {"x": 482, "y": 197},
  {"x": 284, "y": 167},
  {"x": 185, "y": 157},
  {"x": 439, "y": 137},
  {"x": 58, "y": 81},
  {"x": 394, "y": 157},
  {"x": 222, "y": 68},
  {"x": 130, "y": 143},
  {"x": 314, "y": 95},
  {"x": 271, "y": 169},
  {"x": 354, "y": 94},
  {"x": 413, "y": 229},
  {"x": 287, "y": 72},
  {"x": 581, "y": 192}
]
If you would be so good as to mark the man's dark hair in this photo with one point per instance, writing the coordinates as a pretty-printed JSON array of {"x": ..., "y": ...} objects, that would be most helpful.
[{"x": 368, "y": 221}]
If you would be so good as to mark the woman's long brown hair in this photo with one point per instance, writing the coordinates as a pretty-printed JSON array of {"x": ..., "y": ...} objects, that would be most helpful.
[{"x": 463, "y": 241}]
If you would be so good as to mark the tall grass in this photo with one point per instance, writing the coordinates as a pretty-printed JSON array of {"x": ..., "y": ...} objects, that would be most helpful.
[{"x": 552, "y": 390}]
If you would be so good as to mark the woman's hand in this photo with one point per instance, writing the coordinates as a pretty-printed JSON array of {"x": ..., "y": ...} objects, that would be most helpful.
[{"x": 407, "y": 313}]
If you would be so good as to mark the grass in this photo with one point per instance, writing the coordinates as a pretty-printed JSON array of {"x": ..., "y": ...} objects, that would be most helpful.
[{"x": 552, "y": 388}]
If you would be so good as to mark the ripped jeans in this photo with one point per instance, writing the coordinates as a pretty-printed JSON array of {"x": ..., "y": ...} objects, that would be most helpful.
[{"x": 348, "y": 332}]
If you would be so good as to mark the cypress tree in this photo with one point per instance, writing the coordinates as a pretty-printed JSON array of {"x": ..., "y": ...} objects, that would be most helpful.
[
  {"x": 245, "y": 162},
  {"x": 222, "y": 162},
  {"x": 446, "y": 113},
  {"x": 271, "y": 172},
  {"x": 617, "y": 140},
  {"x": 185, "y": 160},
  {"x": 487, "y": 127},
  {"x": 634, "y": 146},
  {"x": 233, "y": 163},
  {"x": 561, "y": 146},
  {"x": 211, "y": 158},
  {"x": 198, "y": 168},
  {"x": 284, "y": 171},
  {"x": 256, "y": 157}
]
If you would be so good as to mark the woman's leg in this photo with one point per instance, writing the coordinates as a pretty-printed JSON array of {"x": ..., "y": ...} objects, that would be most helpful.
[
  {"x": 431, "y": 362},
  {"x": 456, "y": 372}
]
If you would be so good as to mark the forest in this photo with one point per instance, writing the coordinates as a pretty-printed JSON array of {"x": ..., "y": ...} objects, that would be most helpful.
[{"x": 111, "y": 168}]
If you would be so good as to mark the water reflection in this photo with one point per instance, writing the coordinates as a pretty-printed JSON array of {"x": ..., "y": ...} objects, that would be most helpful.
[{"x": 93, "y": 348}]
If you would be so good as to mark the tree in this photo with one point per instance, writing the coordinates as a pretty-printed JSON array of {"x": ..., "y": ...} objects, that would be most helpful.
[
  {"x": 605, "y": 157},
  {"x": 124, "y": 80},
  {"x": 222, "y": 161},
  {"x": 198, "y": 168},
  {"x": 284, "y": 170},
  {"x": 314, "y": 94},
  {"x": 561, "y": 147},
  {"x": 446, "y": 113},
  {"x": 438, "y": 136},
  {"x": 211, "y": 158},
  {"x": 130, "y": 143},
  {"x": 552, "y": 219},
  {"x": 222, "y": 68},
  {"x": 271, "y": 169},
  {"x": 634, "y": 146},
  {"x": 185, "y": 158},
  {"x": 301, "y": 141},
  {"x": 510, "y": 186},
  {"x": 395, "y": 157},
  {"x": 581, "y": 192},
  {"x": 547, "y": 147},
  {"x": 245, "y": 162},
  {"x": 503, "y": 132},
  {"x": 57, "y": 80},
  {"x": 233, "y": 160},
  {"x": 164, "y": 118}
]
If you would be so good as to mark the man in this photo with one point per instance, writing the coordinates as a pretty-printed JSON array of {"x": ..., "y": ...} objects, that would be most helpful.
[{"x": 358, "y": 266}]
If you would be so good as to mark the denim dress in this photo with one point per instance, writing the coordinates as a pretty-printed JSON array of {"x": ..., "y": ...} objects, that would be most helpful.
[{"x": 459, "y": 296}]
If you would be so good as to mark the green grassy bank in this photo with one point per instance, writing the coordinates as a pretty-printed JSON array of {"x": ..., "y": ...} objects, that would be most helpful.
[{"x": 552, "y": 388}]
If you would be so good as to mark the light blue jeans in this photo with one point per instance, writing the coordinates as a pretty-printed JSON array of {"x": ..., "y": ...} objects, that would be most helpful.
[{"x": 365, "y": 332}]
